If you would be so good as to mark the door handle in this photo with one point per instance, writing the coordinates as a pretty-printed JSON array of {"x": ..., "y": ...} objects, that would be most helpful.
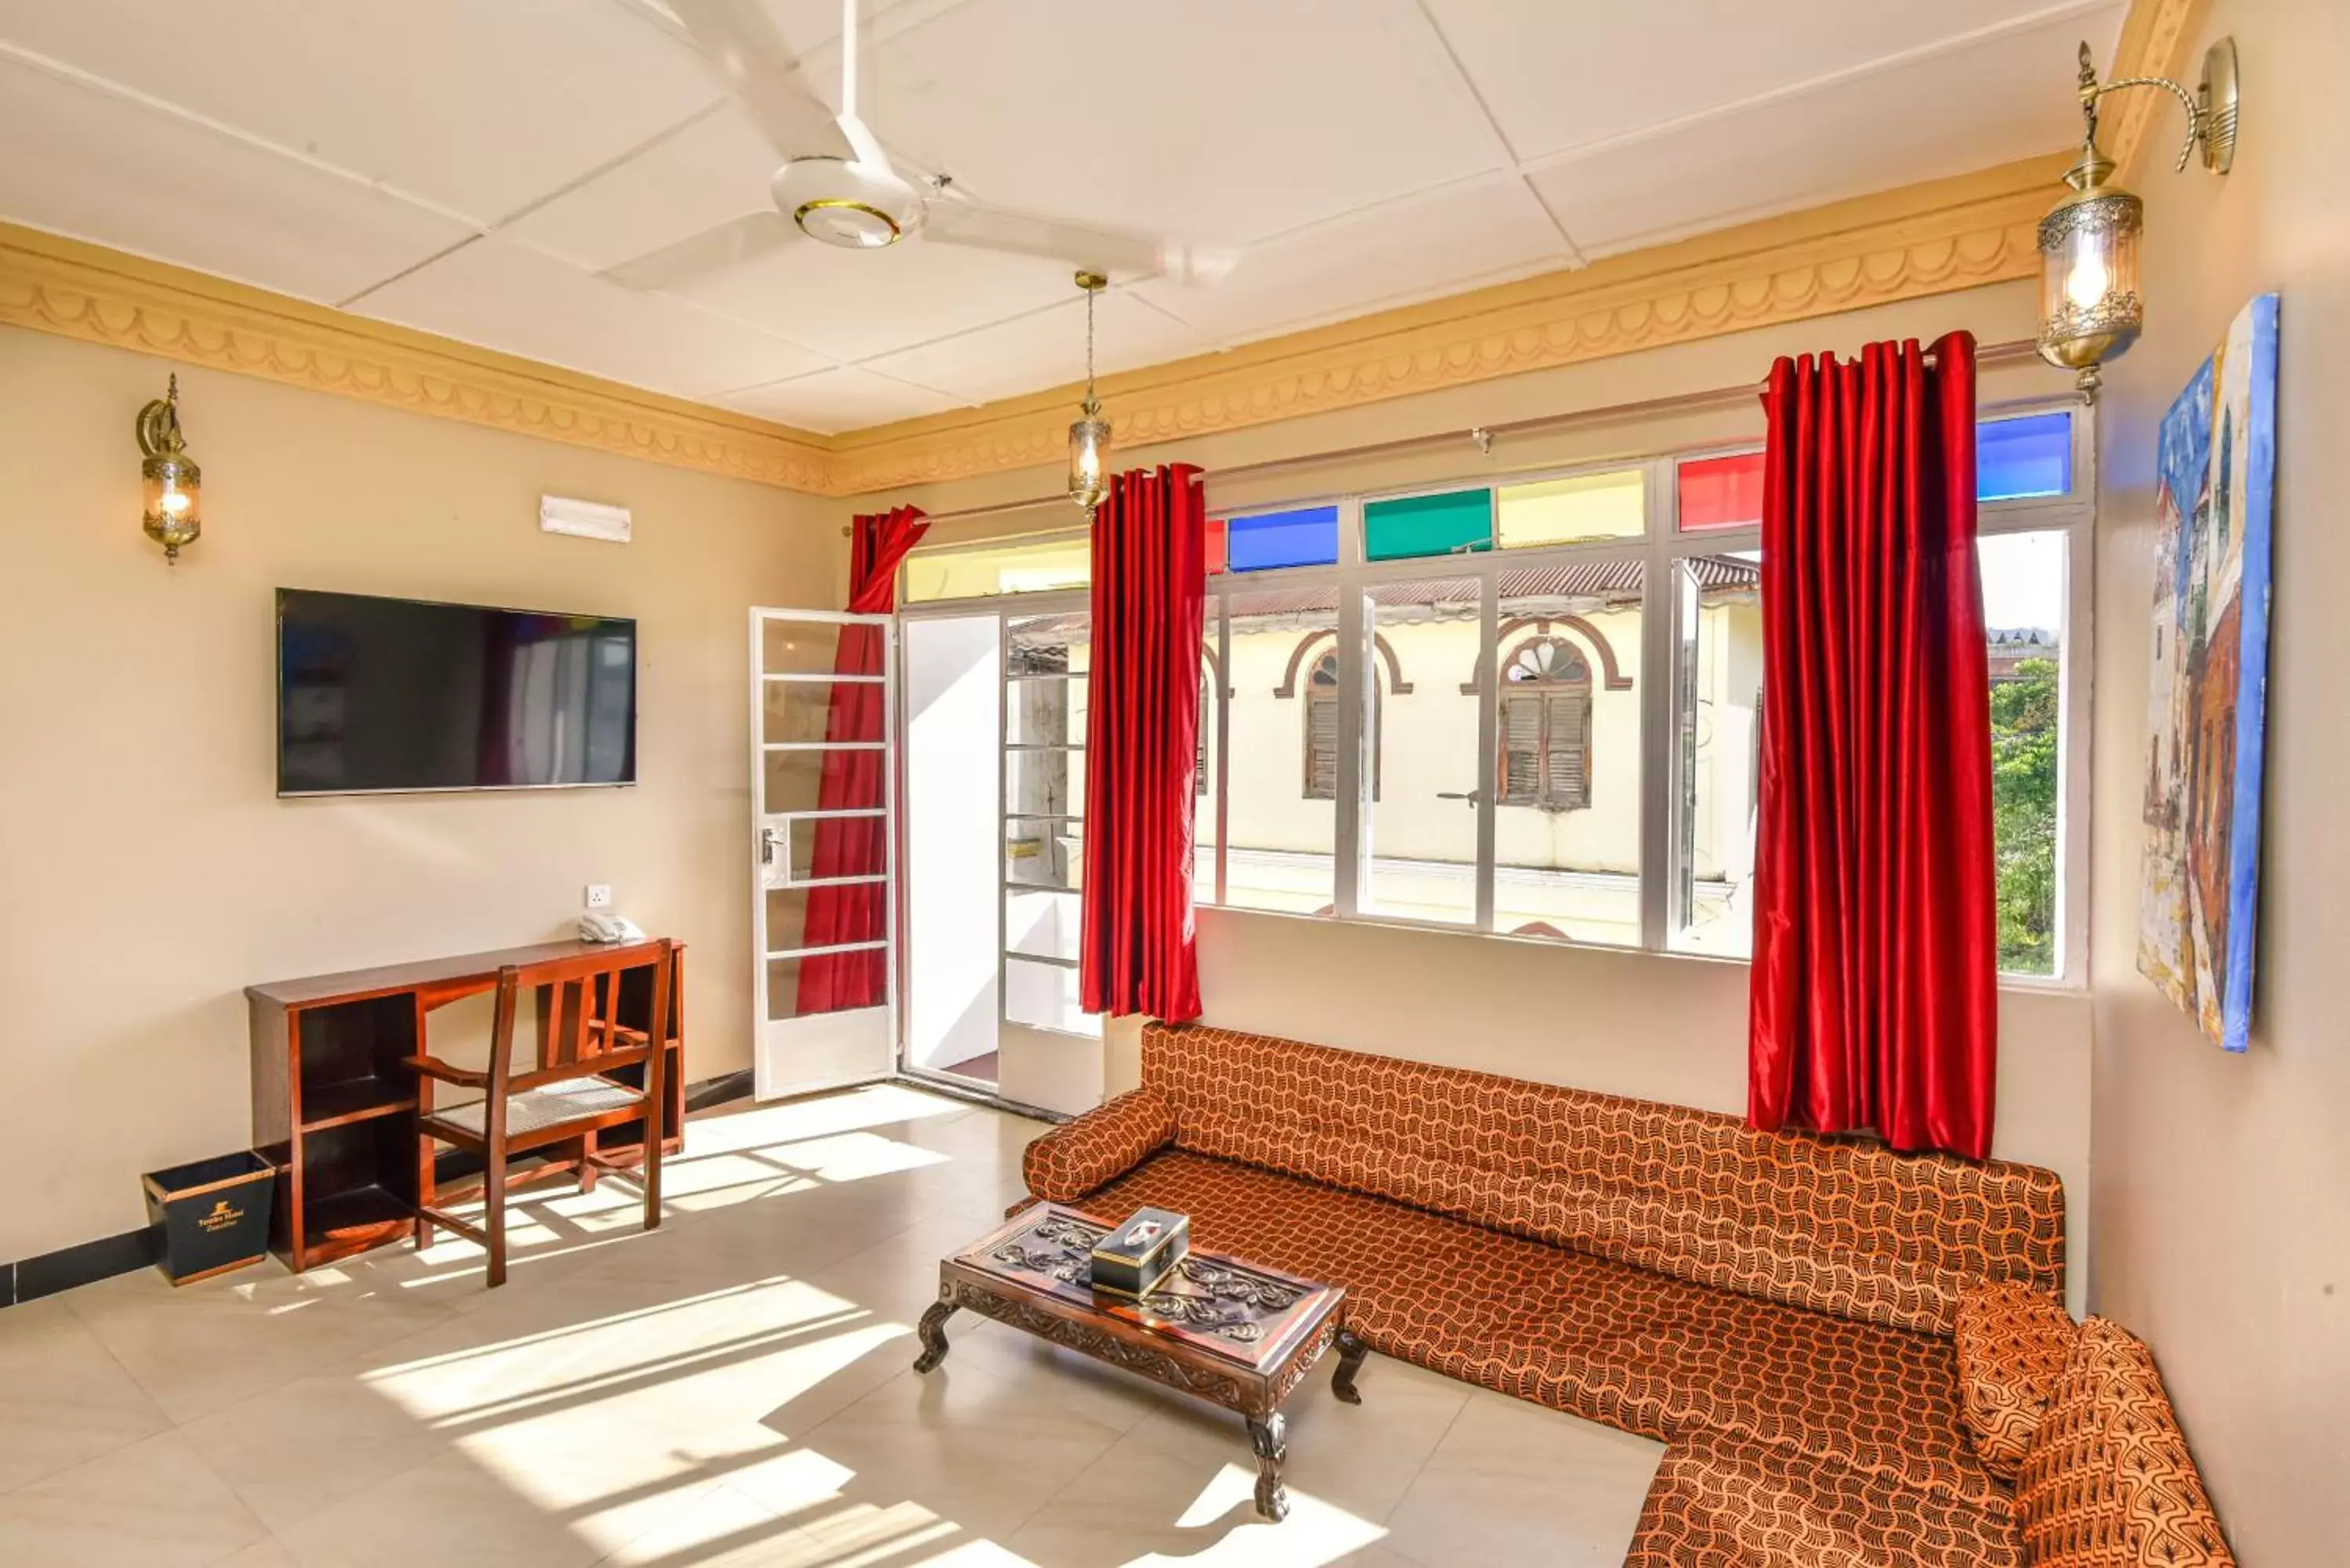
[
  {"x": 1472, "y": 797},
  {"x": 769, "y": 838}
]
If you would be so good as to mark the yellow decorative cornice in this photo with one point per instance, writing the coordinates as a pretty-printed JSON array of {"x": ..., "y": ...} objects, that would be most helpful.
[
  {"x": 82, "y": 291},
  {"x": 1933, "y": 238},
  {"x": 2152, "y": 35}
]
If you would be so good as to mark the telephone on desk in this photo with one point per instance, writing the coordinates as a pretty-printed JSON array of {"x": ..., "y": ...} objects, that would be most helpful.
[{"x": 603, "y": 926}]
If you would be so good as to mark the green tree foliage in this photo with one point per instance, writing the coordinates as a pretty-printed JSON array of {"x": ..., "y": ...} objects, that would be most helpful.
[{"x": 2024, "y": 814}]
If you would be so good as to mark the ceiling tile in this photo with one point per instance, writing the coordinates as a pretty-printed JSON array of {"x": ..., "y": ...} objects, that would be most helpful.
[
  {"x": 2005, "y": 98},
  {"x": 476, "y": 107},
  {"x": 511, "y": 297},
  {"x": 1214, "y": 120},
  {"x": 1562, "y": 76},
  {"x": 141, "y": 179},
  {"x": 1044, "y": 348},
  {"x": 834, "y": 401},
  {"x": 712, "y": 172},
  {"x": 1473, "y": 233}
]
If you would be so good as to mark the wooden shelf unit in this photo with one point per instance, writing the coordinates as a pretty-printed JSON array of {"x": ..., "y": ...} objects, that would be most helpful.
[{"x": 334, "y": 1104}]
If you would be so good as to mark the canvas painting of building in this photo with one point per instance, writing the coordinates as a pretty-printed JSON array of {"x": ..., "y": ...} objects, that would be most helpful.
[{"x": 2216, "y": 457}]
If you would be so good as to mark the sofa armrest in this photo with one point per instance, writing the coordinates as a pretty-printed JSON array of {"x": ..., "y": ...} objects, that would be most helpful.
[
  {"x": 1105, "y": 1142},
  {"x": 2013, "y": 1342}
]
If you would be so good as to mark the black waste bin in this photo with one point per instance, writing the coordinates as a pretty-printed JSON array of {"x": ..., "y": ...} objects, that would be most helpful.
[{"x": 210, "y": 1216}]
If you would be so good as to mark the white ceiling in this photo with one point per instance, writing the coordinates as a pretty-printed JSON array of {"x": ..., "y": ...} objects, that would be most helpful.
[{"x": 467, "y": 166}]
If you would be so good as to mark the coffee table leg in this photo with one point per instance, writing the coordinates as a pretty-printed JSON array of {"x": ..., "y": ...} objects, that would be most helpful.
[
  {"x": 1351, "y": 1352},
  {"x": 1268, "y": 1436},
  {"x": 933, "y": 1330}
]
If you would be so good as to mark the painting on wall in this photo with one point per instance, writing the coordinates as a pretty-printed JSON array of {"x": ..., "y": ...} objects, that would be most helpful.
[{"x": 2216, "y": 457}]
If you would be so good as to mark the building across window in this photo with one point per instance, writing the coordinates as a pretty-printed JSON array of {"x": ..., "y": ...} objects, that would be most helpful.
[{"x": 1546, "y": 726}]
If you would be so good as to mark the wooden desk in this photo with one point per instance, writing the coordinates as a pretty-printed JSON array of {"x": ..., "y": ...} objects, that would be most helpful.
[{"x": 334, "y": 1107}]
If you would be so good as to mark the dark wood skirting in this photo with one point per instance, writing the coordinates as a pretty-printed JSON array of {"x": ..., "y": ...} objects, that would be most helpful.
[{"x": 86, "y": 1262}]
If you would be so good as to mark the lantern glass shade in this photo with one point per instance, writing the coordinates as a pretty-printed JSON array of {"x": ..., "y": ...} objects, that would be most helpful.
[
  {"x": 2090, "y": 309},
  {"x": 1090, "y": 460},
  {"x": 172, "y": 515}
]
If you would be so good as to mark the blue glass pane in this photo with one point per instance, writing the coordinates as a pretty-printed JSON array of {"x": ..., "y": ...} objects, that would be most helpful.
[
  {"x": 1305, "y": 537},
  {"x": 2018, "y": 457}
]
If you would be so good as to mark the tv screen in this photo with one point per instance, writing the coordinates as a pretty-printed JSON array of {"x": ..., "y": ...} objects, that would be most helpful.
[{"x": 377, "y": 694}]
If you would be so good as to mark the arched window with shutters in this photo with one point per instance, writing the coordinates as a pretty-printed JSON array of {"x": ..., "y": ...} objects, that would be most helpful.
[
  {"x": 1322, "y": 730},
  {"x": 1546, "y": 726}
]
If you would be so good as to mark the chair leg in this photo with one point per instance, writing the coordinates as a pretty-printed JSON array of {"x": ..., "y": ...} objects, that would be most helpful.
[
  {"x": 494, "y": 1212},
  {"x": 587, "y": 1171},
  {"x": 425, "y": 1195},
  {"x": 652, "y": 1166}
]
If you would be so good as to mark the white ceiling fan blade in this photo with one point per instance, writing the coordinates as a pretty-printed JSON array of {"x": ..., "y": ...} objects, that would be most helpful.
[
  {"x": 958, "y": 221},
  {"x": 699, "y": 255},
  {"x": 741, "y": 39}
]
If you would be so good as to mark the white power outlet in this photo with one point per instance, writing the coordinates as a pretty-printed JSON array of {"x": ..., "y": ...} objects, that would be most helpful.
[{"x": 599, "y": 895}]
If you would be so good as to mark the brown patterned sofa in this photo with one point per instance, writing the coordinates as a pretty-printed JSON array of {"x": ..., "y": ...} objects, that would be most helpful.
[{"x": 1848, "y": 1351}]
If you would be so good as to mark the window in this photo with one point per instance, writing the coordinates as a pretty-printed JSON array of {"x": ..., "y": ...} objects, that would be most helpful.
[
  {"x": 1322, "y": 729},
  {"x": 1547, "y": 727},
  {"x": 1559, "y": 736}
]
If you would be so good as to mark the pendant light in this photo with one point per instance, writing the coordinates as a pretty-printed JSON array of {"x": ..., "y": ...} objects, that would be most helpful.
[
  {"x": 2090, "y": 309},
  {"x": 1089, "y": 436}
]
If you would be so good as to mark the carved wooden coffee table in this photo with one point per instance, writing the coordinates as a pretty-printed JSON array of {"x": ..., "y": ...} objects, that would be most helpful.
[{"x": 1232, "y": 1334}]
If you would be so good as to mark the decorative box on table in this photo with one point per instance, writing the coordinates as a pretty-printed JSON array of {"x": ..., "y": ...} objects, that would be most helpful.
[{"x": 1131, "y": 1260}]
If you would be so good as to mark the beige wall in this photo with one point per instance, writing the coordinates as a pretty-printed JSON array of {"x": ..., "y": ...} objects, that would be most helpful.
[
  {"x": 1665, "y": 1028},
  {"x": 2223, "y": 1183},
  {"x": 148, "y": 873}
]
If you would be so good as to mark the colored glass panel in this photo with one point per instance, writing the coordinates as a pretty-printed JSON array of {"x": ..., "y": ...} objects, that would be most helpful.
[
  {"x": 1029, "y": 566},
  {"x": 1216, "y": 532},
  {"x": 1722, "y": 492},
  {"x": 1307, "y": 537},
  {"x": 1448, "y": 525},
  {"x": 2024, "y": 457},
  {"x": 1567, "y": 511}
]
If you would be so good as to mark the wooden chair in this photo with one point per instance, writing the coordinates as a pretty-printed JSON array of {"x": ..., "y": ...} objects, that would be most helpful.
[{"x": 567, "y": 1099}]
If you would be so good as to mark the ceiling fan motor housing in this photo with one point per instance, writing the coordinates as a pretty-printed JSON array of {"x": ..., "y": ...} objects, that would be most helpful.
[{"x": 855, "y": 205}]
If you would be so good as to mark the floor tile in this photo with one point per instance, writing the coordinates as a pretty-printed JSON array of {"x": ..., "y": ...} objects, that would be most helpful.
[
  {"x": 63, "y": 1399},
  {"x": 1514, "y": 1482},
  {"x": 151, "y": 1505},
  {"x": 202, "y": 1347},
  {"x": 294, "y": 1450}
]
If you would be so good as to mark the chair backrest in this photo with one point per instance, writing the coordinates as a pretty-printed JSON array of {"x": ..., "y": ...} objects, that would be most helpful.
[
  {"x": 1835, "y": 1224},
  {"x": 2108, "y": 1482},
  {"x": 579, "y": 1000}
]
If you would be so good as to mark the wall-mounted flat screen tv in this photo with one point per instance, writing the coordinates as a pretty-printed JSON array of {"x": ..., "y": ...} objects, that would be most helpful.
[{"x": 380, "y": 695}]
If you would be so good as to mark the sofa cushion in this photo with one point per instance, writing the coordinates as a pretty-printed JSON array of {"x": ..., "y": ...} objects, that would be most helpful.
[
  {"x": 2011, "y": 1343},
  {"x": 1079, "y": 1155},
  {"x": 1639, "y": 1350},
  {"x": 1835, "y": 1224},
  {"x": 2108, "y": 1482},
  {"x": 1720, "y": 1501}
]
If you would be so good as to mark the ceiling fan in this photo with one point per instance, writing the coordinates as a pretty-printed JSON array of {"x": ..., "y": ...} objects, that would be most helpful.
[{"x": 838, "y": 186}]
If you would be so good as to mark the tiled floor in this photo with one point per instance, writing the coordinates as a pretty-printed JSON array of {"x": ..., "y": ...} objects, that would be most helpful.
[{"x": 732, "y": 1391}]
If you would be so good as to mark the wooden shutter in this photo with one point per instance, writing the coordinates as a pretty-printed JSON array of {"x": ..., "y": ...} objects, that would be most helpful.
[
  {"x": 1321, "y": 744},
  {"x": 1522, "y": 746},
  {"x": 1566, "y": 748}
]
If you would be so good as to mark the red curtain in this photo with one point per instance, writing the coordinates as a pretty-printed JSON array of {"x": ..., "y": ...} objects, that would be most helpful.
[
  {"x": 1149, "y": 595},
  {"x": 1874, "y": 1000},
  {"x": 856, "y": 845}
]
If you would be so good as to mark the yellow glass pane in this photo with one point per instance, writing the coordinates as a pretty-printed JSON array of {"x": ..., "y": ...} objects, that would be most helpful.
[
  {"x": 1568, "y": 511},
  {"x": 1027, "y": 566}
]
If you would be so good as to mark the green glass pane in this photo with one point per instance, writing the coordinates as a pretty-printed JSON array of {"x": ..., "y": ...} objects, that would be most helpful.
[{"x": 1429, "y": 525}]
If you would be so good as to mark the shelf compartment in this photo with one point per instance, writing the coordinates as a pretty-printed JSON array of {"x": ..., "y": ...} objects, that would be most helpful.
[
  {"x": 353, "y": 1220},
  {"x": 355, "y": 1100}
]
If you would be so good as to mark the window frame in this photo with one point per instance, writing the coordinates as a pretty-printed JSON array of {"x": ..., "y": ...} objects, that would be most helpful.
[{"x": 1667, "y": 651}]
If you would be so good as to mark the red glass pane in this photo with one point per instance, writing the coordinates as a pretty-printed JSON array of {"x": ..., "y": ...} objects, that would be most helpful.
[
  {"x": 1722, "y": 492},
  {"x": 1216, "y": 548}
]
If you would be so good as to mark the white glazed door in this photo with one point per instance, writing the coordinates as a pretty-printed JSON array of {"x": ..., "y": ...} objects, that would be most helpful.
[{"x": 824, "y": 849}]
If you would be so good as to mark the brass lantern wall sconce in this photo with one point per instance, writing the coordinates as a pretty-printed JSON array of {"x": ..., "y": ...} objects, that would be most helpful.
[
  {"x": 1089, "y": 436},
  {"x": 170, "y": 478},
  {"x": 2090, "y": 309}
]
